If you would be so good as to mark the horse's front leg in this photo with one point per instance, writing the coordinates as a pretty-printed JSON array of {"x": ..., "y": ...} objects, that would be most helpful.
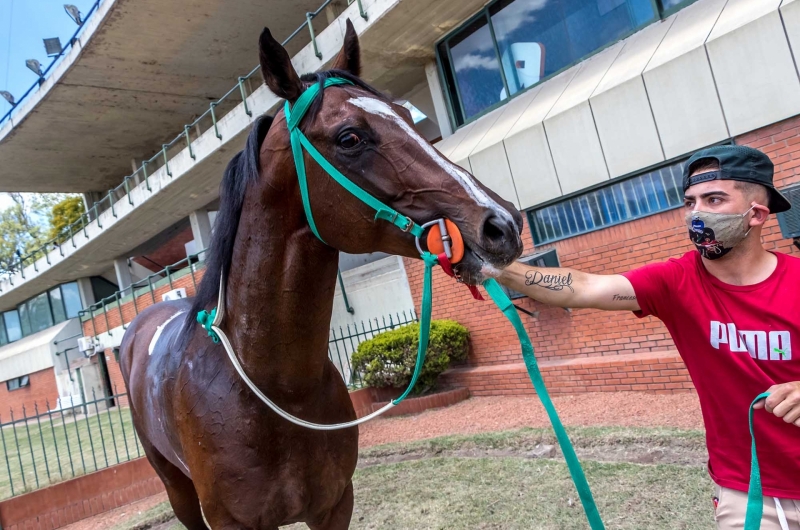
[{"x": 339, "y": 517}]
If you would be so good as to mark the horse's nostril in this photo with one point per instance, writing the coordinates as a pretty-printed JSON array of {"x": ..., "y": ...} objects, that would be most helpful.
[{"x": 494, "y": 230}]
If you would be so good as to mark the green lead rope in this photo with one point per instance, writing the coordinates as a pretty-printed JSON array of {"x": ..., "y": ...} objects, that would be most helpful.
[
  {"x": 424, "y": 324},
  {"x": 584, "y": 492},
  {"x": 755, "y": 495}
]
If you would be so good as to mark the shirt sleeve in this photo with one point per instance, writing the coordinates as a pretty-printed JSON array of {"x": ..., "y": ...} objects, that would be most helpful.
[{"x": 651, "y": 285}]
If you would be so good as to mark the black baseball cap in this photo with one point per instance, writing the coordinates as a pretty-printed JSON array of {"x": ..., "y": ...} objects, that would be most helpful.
[{"x": 737, "y": 162}]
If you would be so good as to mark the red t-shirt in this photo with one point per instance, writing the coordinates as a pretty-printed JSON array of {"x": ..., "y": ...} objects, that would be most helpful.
[{"x": 736, "y": 341}]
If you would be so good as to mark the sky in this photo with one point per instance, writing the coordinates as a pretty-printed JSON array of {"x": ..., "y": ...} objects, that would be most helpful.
[{"x": 23, "y": 25}]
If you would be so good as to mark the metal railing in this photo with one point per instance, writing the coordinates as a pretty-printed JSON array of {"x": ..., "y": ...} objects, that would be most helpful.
[
  {"x": 343, "y": 344},
  {"x": 69, "y": 44},
  {"x": 142, "y": 293},
  {"x": 141, "y": 177},
  {"x": 66, "y": 441}
]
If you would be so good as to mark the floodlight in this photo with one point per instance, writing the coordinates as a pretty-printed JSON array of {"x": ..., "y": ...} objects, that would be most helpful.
[
  {"x": 53, "y": 46},
  {"x": 34, "y": 66},
  {"x": 73, "y": 13},
  {"x": 8, "y": 97}
]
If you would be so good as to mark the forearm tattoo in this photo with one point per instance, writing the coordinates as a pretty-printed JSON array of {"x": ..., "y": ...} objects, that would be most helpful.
[
  {"x": 623, "y": 297},
  {"x": 553, "y": 282}
]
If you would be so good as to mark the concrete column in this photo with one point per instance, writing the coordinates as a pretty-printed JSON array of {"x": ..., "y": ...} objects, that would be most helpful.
[
  {"x": 439, "y": 102},
  {"x": 86, "y": 292},
  {"x": 124, "y": 279},
  {"x": 201, "y": 229}
]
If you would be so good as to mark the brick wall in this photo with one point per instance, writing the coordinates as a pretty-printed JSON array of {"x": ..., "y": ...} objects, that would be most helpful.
[
  {"x": 64, "y": 503},
  {"x": 587, "y": 336},
  {"x": 41, "y": 390}
]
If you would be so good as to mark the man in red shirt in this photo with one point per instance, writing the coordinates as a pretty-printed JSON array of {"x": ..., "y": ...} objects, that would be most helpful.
[{"x": 733, "y": 310}]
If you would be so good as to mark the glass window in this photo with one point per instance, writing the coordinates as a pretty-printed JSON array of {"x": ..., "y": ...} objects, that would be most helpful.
[
  {"x": 639, "y": 196},
  {"x": 72, "y": 299},
  {"x": 476, "y": 68},
  {"x": 3, "y": 337},
  {"x": 18, "y": 382},
  {"x": 13, "y": 326},
  {"x": 39, "y": 313},
  {"x": 22, "y": 309},
  {"x": 57, "y": 303},
  {"x": 533, "y": 40}
]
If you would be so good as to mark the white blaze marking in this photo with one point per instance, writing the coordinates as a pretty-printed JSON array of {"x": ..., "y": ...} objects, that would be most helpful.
[
  {"x": 159, "y": 330},
  {"x": 381, "y": 108}
]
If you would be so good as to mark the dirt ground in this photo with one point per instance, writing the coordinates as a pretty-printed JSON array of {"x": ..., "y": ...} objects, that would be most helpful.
[
  {"x": 485, "y": 414},
  {"x": 491, "y": 414}
]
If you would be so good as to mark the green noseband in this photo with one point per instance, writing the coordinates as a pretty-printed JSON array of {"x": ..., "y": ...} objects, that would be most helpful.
[{"x": 299, "y": 141}]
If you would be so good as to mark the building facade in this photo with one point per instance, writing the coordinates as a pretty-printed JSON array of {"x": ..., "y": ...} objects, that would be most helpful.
[{"x": 579, "y": 112}]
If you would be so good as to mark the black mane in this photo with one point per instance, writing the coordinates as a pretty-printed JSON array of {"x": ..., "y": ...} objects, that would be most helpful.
[{"x": 241, "y": 171}]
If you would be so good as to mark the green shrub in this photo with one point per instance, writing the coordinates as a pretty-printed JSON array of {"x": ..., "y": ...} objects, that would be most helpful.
[{"x": 388, "y": 359}]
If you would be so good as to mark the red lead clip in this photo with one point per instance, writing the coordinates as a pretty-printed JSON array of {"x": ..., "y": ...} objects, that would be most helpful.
[{"x": 447, "y": 267}]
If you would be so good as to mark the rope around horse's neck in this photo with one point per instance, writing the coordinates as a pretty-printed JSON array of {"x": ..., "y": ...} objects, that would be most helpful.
[{"x": 212, "y": 322}]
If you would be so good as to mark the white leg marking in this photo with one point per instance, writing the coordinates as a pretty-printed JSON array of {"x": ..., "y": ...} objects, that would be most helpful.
[
  {"x": 159, "y": 330},
  {"x": 381, "y": 108}
]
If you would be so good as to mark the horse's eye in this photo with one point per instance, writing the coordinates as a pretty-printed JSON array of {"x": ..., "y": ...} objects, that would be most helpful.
[{"x": 349, "y": 140}]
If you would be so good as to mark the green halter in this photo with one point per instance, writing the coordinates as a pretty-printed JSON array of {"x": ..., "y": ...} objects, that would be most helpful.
[{"x": 299, "y": 141}]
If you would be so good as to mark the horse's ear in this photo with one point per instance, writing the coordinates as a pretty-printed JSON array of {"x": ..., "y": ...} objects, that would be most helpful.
[
  {"x": 276, "y": 67},
  {"x": 349, "y": 58}
]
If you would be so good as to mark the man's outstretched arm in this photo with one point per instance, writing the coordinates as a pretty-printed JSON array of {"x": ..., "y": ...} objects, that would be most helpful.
[{"x": 570, "y": 288}]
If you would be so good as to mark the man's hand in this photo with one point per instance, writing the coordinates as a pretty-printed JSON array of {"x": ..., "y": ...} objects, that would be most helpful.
[{"x": 783, "y": 401}]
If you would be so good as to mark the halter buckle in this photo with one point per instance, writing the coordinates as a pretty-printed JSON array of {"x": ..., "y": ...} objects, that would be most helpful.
[{"x": 409, "y": 225}]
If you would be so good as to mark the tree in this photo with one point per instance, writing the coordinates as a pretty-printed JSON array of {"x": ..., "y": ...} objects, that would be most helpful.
[
  {"x": 64, "y": 213},
  {"x": 20, "y": 234},
  {"x": 31, "y": 221}
]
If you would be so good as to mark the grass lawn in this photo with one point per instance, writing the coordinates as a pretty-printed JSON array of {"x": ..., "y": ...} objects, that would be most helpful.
[
  {"x": 491, "y": 481},
  {"x": 55, "y": 448}
]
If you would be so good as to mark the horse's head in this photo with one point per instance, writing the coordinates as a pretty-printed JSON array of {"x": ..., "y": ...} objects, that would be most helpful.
[{"x": 373, "y": 142}]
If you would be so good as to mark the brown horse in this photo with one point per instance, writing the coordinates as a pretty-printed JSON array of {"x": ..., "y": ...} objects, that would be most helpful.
[{"x": 210, "y": 439}]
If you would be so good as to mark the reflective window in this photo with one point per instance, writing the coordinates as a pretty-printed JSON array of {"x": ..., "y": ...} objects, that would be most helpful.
[
  {"x": 24, "y": 319},
  {"x": 12, "y": 325},
  {"x": 513, "y": 44},
  {"x": 72, "y": 299},
  {"x": 57, "y": 304},
  {"x": 653, "y": 192},
  {"x": 39, "y": 313},
  {"x": 3, "y": 338},
  {"x": 476, "y": 68}
]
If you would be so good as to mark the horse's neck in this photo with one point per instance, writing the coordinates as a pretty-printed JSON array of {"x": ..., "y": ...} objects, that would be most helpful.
[{"x": 279, "y": 299}]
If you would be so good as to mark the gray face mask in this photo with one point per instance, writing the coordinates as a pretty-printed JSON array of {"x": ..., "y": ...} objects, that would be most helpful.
[{"x": 715, "y": 234}]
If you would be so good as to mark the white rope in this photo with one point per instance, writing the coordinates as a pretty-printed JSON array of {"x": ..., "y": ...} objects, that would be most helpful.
[
  {"x": 781, "y": 514},
  {"x": 257, "y": 391}
]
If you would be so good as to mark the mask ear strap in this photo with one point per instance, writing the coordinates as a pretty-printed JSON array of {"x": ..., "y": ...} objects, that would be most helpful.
[{"x": 745, "y": 213}]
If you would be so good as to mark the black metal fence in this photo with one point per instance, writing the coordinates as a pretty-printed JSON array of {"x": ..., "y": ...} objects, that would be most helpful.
[
  {"x": 47, "y": 445},
  {"x": 343, "y": 343},
  {"x": 72, "y": 437}
]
